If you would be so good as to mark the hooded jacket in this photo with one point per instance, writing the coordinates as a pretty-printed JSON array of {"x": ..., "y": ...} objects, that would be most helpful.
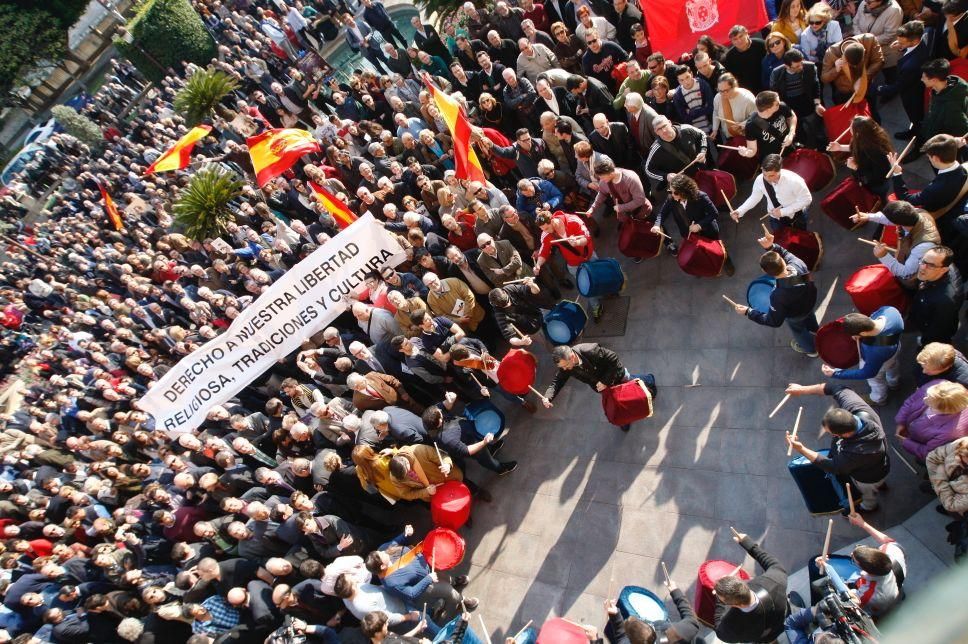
[{"x": 948, "y": 111}]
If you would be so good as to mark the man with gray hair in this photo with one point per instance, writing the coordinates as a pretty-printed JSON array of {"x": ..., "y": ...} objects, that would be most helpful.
[
  {"x": 534, "y": 59},
  {"x": 401, "y": 425},
  {"x": 640, "y": 117}
]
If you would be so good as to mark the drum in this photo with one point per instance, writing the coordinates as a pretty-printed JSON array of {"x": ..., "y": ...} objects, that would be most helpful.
[
  {"x": 517, "y": 371},
  {"x": 874, "y": 286},
  {"x": 600, "y": 277},
  {"x": 564, "y": 323},
  {"x": 889, "y": 236},
  {"x": 636, "y": 239},
  {"x": 959, "y": 68},
  {"x": 836, "y": 119},
  {"x": 742, "y": 168},
  {"x": 701, "y": 256},
  {"x": 759, "y": 291},
  {"x": 527, "y": 636},
  {"x": 446, "y": 634},
  {"x": 488, "y": 419},
  {"x": 709, "y": 573},
  {"x": 835, "y": 346},
  {"x": 635, "y": 601},
  {"x": 846, "y": 199},
  {"x": 816, "y": 168},
  {"x": 822, "y": 493},
  {"x": 716, "y": 182},
  {"x": 628, "y": 402},
  {"x": 805, "y": 244},
  {"x": 843, "y": 564},
  {"x": 560, "y": 631},
  {"x": 443, "y": 548},
  {"x": 450, "y": 506}
]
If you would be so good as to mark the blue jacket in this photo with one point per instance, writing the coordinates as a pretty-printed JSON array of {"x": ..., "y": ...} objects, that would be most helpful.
[
  {"x": 788, "y": 301},
  {"x": 684, "y": 114},
  {"x": 545, "y": 192},
  {"x": 872, "y": 356},
  {"x": 410, "y": 581}
]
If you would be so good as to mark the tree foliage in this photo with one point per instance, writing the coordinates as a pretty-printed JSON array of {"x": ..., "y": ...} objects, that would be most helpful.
[
  {"x": 77, "y": 125},
  {"x": 202, "y": 92},
  {"x": 202, "y": 209},
  {"x": 165, "y": 34},
  {"x": 31, "y": 33}
]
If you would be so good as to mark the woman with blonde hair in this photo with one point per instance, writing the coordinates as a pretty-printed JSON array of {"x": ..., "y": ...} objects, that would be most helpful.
[
  {"x": 373, "y": 470},
  {"x": 948, "y": 472},
  {"x": 777, "y": 44},
  {"x": 822, "y": 32},
  {"x": 932, "y": 416}
]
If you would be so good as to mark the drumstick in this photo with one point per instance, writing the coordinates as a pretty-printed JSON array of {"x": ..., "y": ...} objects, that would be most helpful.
[
  {"x": 730, "y": 301},
  {"x": 734, "y": 531},
  {"x": 662, "y": 234},
  {"x": 433, "y": 558},
  {"x": 723, "y": 192},
  {"x": 850, "y": 498},
  {"x": 536, "y": 392},
  {"x": 440, "y": 459},
  {"x": 727, "y": 147},
  {"x": 690, "y": 164},
  {"x": 484, "y": 628},
  {"x": 766, "y": 231},
  {"x": 900, "y": 158},
  {"x": 424, "y": 615},
  {"x": 796, "y": 428},
  {"x": 523, "y": 628},
  {"x": 874, "y": 243},
  {"x": 665, "y": 571},
  {"x": 474, "y": 378},
  {"x": 722, "y": 118},
  {"x": 837, "y": 140},
  {"x": 562, "y": 240},
  {"x": 826, "y": 540},
  {"x": 517, "y": 281},
  {"x": 777, "y": 408},
  {"x": 518, "y": 331},
  {"x": 736, "y": 571},
  {"x": 904, "y": 460}
]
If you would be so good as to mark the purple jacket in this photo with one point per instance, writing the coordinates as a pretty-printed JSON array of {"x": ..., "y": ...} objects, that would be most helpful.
[{"x": 926, "y": 428}]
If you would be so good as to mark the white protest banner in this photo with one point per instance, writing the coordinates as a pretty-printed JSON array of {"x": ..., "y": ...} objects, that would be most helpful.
[{"x": 302, "y": 302}]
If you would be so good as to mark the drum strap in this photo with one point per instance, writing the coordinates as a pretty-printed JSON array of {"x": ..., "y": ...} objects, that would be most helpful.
[
  {"x": 771, "y": 193},
  {"x": 794, "y": 280},
  {"x": 882, "y": 340},
  {"x": 935, "y": 214}
]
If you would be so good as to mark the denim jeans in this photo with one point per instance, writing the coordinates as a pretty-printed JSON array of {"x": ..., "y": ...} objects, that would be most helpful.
[
  {"x": 804, "y": 331},
  {"x": 593, "y": 302}
]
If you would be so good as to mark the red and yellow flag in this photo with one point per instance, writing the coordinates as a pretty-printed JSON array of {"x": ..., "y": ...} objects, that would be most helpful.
[
  {"x": 112, "y": 211},
  {"x": 340, "y": 211},
  {"x": 465, "y": 158},
  {"x": 179, "y": 155},
  {"x": 274, "y": 151}
]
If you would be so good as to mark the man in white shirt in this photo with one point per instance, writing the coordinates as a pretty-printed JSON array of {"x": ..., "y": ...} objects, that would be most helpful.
[
  {"x": 787, "y": 195},
  {"x": 361, "y": 599}
]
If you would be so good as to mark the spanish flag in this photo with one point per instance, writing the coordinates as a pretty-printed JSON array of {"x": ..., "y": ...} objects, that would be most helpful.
[
  {"x": 112, "y": 211},
  {"x": 340, "y": 211},
  {"x": 465, "y": 158},
  {"x": 179, "y": 155},
  {"x": 274, "y": 151}
]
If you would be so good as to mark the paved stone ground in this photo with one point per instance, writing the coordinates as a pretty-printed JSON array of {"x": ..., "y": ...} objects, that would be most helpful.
[{"x": 591, "y": 509}]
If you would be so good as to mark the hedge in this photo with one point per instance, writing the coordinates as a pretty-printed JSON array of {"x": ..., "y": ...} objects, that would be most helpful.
[{"x": 171, "y": 33}]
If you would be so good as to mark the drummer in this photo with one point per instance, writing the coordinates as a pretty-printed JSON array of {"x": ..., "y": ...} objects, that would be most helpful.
[
  {"x": 771, "y": 129},
  {"x": 676, "y": 149},
  {"x": 792, "y": 300},
  {"x": 858, "y": 446},
  {"x": 787, "y": 196},
  {"x": 593, "y": 364},
  {"x": 576, "y": 246},
  {"x": 880, "y": 342},
  {"x": 481, "y": 367},
  {"x": 518, "y": 307},
  {"x": 693, "y": 212},
  {"x": 684, "y": 630}
]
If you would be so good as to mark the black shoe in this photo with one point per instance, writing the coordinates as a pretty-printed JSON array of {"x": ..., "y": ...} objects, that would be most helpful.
[
  {"x": 471, "y": 604},
  {"x": 637, "y": 260},
  {"x": 495, "y": 447},
  {"x": 728, "y": 268},
  {"x": 906, "y": 135},
  {"x": 940, "y": 510},
  {"x": 673, "y": 249},
  {"x": 507, "y": 468},
  {"x": 795, "y": 599},
  {"x": 626, "y": 427},
  {"x": 597, "y": 313},
  {"x": 459, "y": 582},
  {"x": 567, "y": 283}
]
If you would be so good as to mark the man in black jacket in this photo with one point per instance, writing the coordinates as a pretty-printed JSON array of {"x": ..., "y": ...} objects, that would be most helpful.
[
  {"x": 682, "y": 631},
  {"x": 858, "y": 448},
  {"x": 754, "y": 610},
  {"x": 938, "y": 298},
  {"x": 593, "y": 364},
  {"x": 793, "y": 300}
]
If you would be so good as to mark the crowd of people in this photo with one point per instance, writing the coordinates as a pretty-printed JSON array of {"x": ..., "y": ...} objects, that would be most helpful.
[{"x": 287, "y": 513}]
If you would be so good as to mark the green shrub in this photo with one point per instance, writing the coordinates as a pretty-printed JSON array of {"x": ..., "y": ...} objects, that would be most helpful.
[
  {"x": 165, "y": 34},
  {"x": 202, "y": 92},
  {"x": 202, "y": 209},
  {"x": 77, "y": 125}
]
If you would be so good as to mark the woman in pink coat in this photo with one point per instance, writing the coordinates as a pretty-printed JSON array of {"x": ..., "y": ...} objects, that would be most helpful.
[{"x": 933, "y": 416}]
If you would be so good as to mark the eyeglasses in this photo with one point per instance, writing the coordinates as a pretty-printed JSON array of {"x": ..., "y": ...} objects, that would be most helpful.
[
  {"x": 592, "y": 41},
  {"x": 482, "y": 191},
  {"x": 930, "y": 265},
  {"x": 484, "y": 245}
]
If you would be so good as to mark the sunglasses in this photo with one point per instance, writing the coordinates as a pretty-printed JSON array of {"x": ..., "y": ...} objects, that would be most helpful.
[
  {"x": 592, "y": 41},
  {"x": 485, "y": 245},
  {"x": 816, "y": 22},
  {"x": 775, "y": 43}
]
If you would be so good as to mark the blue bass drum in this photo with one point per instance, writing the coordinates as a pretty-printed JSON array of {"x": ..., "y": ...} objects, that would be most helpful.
[
  {"x": 600, "y": 277},
  {"x": 822, "y": 493},
  {"x": 635, "y": 601},
  {"x": 487, "y": 418},
  {"x": 759, "y": 291},
  {"x": 447, "y": 632},
  {"x": 564, "y": 323}
]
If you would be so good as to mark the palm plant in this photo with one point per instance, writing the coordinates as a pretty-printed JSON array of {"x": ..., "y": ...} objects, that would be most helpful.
[
  {"x": 202, "y": 209},
  {"x": 202, "y": 93}
]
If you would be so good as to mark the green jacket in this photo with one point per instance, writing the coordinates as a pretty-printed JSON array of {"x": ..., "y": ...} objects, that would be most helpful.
[{"x": 948, "y": 112}]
